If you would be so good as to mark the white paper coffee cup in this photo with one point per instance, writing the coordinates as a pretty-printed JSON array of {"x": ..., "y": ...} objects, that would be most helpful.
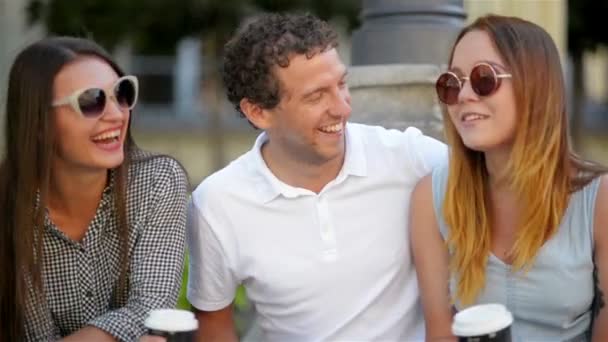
[
  {"x": 483, "y": 320},
  {"x": 175, "y": 325}
]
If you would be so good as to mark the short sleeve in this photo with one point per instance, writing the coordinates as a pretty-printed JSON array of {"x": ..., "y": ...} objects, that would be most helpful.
[
  {"x": 211, "y": 283},
  {"x": 426, "y": 152}
]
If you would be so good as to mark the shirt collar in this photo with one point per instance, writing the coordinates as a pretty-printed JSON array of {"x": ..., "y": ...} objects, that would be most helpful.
[{"x": 269, "y": 186}]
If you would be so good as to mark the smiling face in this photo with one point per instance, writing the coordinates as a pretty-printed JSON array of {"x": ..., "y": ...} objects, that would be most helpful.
[
  {"x": 483, "y": 123},
  {"x": 309, "y": 122},
  {"x": 88, "y": 143}
]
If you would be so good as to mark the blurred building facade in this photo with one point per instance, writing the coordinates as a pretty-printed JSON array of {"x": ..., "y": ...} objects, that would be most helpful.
[
  {"x": 552, "y": 15},
  {"x": 176, "y": 115},
  {"x": 15, "y": 33}
]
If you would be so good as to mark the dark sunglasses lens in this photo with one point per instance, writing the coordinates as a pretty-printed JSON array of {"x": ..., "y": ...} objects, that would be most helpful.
[
  {"x": 483, "y": 80},
  {"x": 448, "y": 88},
  {"x": 92, "y": 102},
  {"x": 125, "y": 93}
]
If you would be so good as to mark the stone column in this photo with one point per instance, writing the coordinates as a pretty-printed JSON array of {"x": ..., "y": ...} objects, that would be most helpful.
[
  {"x": 407, "y": 31},
  {"x": 397, "y": 54},
  {"x": 396, "y": 96}
]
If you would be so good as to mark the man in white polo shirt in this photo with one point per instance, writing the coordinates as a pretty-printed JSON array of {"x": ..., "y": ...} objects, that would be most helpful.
[{"x": 313, "y": 219}]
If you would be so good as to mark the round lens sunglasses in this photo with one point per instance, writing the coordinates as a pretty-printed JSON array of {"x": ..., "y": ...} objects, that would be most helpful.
[
  {"x": 91, "y": 102},
  {"x": 485, "y": 80}
]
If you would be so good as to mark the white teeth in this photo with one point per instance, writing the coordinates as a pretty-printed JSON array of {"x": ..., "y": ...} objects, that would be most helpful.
[
  {"x": 107, "y": 135},
  {"x": 472, "y": 116},
  {"x": 332, "y": 128}
]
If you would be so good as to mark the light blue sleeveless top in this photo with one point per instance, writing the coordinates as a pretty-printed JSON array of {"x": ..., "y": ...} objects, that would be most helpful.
[{"x": 552, "y": 301}]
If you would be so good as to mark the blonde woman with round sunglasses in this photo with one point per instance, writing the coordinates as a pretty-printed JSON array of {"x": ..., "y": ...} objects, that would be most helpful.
[
  {"x": 92, "y": 229},
  {"x": 517, "y": 218}
]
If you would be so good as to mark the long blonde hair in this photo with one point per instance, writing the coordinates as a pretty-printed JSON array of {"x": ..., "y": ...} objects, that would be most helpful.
[{"x": 542, "y": 169}]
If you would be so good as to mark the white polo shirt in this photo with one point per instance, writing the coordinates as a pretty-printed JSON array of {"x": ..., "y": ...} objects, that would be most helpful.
[{"x": 318, "y": 267}]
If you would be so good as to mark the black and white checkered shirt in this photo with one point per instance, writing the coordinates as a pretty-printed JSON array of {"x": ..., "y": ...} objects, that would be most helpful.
[{"x": 80, "y": 278}]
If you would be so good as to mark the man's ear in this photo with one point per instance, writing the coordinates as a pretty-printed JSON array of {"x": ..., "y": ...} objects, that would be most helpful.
[{"x": 257, "y": 115}]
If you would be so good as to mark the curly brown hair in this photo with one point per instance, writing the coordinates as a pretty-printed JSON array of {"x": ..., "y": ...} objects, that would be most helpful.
[{"x": 270, "y": 40}]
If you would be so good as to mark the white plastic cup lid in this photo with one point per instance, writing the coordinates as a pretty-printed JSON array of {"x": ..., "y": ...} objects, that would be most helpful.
[
  {"x": 171, "y": 320},
  {"x": 481, "y": 320}
]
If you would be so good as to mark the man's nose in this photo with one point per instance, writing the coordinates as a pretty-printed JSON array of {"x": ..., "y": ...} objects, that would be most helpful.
[{"x": 341, "y": 105}]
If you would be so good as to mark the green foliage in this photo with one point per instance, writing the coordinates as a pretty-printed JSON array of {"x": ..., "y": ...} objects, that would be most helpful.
[
  {"x": 154, "y": 26},
  {"x": 182, "y": 301},
  {"x": 240, "y": 301}
]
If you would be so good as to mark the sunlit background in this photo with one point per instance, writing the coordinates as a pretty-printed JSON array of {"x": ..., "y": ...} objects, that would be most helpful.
[{"x": 174, "y": 47}]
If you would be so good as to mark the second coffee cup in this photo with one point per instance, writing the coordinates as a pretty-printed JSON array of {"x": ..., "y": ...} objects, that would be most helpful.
[{"x": 483, "y": 323}]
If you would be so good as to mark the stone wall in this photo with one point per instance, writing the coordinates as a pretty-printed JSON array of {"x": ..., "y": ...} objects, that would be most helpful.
[{"x": 396, "y": 96}]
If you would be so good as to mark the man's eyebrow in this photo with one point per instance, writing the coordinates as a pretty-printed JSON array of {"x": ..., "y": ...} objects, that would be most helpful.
[
  {"x": 312, "y": 91},
  {"x": 315, "y": 90}
]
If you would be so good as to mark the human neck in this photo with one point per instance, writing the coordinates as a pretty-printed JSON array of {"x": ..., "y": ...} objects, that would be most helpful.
[
  {"x": 496, "y": 164},
  {"x": 75, "y": 192},
  {"x": 311, "y": 174}
]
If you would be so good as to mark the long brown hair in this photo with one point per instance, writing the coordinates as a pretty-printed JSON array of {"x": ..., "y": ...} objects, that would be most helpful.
[
  {"x": 542, "y": 169},
  {"x": 25, "y": 171}
]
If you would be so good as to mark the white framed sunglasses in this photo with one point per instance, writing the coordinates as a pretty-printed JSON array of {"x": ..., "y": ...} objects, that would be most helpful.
[{"x": 91, "y": 102}]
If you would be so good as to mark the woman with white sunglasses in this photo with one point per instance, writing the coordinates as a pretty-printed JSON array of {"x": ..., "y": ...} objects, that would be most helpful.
[
  {"x": 516, "y": 218},
  {"x": 91, "y": 227}
]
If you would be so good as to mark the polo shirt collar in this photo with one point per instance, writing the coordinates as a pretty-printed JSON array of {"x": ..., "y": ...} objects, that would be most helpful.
[{"x": 269, "y": 186}]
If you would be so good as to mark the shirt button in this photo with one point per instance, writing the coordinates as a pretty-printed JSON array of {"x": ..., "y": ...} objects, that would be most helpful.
[{"x": 89, "y": 294}]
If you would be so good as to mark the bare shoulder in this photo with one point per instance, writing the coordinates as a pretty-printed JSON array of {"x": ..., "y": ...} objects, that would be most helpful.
[
  {"x": 600, "y": 326},
  {"x": 422, "y": 213},
  {"x": 601, "y": 211},
  {"x": 603, "y": 189},
  {"x": 423, "y": 191}
]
